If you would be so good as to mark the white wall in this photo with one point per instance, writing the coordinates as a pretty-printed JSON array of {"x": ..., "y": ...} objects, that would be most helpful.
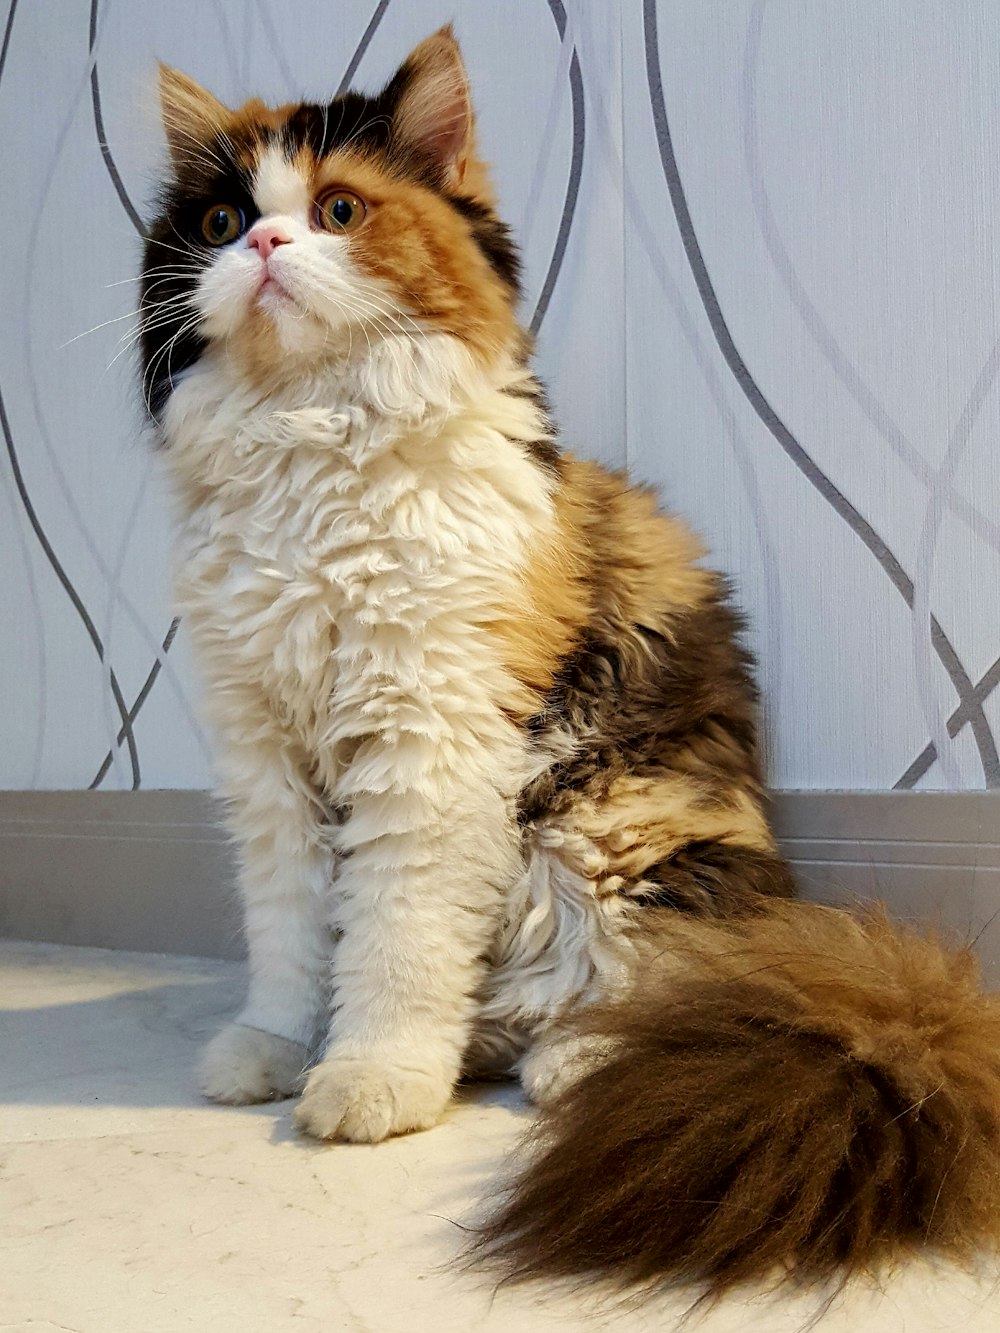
[{"x": 776, "y": 297}]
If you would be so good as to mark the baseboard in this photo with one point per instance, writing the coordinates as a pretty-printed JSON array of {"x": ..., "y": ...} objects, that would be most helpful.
[
  {"x": 931, "y": 857},
  {"x": 149, "y": 870},
  {"x": 152, "y": 870}
]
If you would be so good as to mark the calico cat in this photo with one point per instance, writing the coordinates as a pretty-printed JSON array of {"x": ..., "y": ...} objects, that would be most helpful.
[{"x": 487, "y": 738}]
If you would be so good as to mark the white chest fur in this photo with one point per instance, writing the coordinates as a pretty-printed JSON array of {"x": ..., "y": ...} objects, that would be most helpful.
[{"x": 342, "y": 561}]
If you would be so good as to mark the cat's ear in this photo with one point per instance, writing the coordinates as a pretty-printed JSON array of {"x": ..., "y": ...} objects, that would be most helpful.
[
  {"x": 434, "y": 110},
  {"x": 192, "y": 116}
]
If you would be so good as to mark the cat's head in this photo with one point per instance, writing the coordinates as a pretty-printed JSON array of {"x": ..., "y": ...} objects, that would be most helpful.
[{"x": 292, "y": 237}]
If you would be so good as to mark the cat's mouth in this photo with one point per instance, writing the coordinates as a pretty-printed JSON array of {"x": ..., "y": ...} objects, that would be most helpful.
[
  {"x": 271, "y": 287},
  {"x": 269, "y": 283},
  {"x": 272, "y": 296}
]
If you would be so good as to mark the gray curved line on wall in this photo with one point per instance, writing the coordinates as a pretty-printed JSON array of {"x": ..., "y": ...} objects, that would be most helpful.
[
  {"x": 114, "y": 586},
  {"x": 43, "y": 540},
  {"x": 40, "y": 675},
  {"x": 53, "y": 459},
  {"x": 42, "y": 680},
  {"x": 8, "y": 29},
  {"x": 275, "y": 45},
  {"x": 962, "y": 715},
  {"x": 546, "y": 141},
  {"x": 937, "y": 480},
  {"x": 850, "y": 377},
  {"x": 777, "y": 428},
  {"x": 734, "y": 437},
  {"x": 362, "y": 47},
  {"x": 925, "y": 555},
  {"x": 68, "y": 588},
  {"x": 102, "y": 138},
  {"x": 137, "y": 704},
  {"x": 930, "y": 530},
  {"x": 558, "y": 12},
  {"x": 116, "y": 180}
]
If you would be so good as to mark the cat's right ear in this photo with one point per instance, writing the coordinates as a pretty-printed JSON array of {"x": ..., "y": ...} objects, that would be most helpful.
[{"x": 192, "y": 116}]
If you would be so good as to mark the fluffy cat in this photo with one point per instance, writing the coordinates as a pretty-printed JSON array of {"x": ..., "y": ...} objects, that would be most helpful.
[{"x": 488, "y": 743}]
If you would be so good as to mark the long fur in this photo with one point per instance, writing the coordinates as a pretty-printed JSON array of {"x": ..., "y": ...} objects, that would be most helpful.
[
  {"x": 488, "y": 739},
  {"x": 802, "y": 1092}
]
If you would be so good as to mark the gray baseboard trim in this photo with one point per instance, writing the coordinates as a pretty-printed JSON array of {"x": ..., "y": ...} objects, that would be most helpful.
[
  {"x": 152, "y": 870},
  {"x": 147, "y": 870}
]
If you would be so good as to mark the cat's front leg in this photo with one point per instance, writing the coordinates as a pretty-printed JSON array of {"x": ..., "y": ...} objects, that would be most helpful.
[
  {"x": 417, "y": 906},
  {"x": 286, "y": 868}
]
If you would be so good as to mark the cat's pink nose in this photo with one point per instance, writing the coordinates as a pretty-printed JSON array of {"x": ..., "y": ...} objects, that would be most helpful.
[{"x": 266, "y": 236}]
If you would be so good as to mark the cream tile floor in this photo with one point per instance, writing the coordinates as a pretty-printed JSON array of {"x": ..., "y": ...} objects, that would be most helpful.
[{"x": 129, "y": 1206}]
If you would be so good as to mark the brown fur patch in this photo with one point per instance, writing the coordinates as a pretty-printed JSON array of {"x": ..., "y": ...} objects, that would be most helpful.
[
  {"x": 800, "y": 1092},
  {"x": 549, "y": 609},
  {"x": 644, "y": 820},
  {"x": 631, "y": 645}
]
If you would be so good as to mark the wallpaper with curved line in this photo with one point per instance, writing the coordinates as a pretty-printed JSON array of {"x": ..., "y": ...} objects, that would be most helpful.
[{"x": 762, "y": 264}]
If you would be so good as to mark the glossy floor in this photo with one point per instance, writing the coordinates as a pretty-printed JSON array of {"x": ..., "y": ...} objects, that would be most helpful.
[{"x": 129, "y": 1206}]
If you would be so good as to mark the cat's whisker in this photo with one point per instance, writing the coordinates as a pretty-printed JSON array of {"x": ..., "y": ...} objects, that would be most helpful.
[
  {"x": 188, "y": 249},
  {"x": 126, "y": 347},
  {"x": 163, "y": 282},
  {"x": 177, "y": 271},
  {"x": 163, "y": 314},
  {"x": 369, "y": 301},
  {"x": 117, "y": 319},
  {"x": 167, "y": 351}
]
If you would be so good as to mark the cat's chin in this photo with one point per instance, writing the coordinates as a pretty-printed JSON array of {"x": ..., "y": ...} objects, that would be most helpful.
[{"x": 278, "y": 329}]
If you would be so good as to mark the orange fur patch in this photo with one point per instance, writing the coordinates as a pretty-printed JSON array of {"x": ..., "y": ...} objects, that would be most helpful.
[
  {"x": 423, "y": 251},
  {"x": 611, "y": 554}
]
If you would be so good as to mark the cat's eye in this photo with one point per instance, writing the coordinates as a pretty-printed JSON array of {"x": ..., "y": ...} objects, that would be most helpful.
[
  {"x": 340, "y": 210},
  {"x": 222, "y": 223}
]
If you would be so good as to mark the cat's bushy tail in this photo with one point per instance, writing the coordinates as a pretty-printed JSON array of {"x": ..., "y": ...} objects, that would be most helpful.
[{"x": 806, "y": 1091}]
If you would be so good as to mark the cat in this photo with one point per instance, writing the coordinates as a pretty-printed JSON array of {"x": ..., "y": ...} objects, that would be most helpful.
[{"x": 487, "y": 738}]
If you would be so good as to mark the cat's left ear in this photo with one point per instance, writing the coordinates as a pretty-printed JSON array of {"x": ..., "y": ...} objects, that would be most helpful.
[
  {"x": 434, "y": 111},
  {"x": 192, "y": 116}
]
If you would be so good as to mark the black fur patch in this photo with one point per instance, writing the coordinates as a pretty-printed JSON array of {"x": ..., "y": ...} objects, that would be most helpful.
[
  {"x": 174, "y": 255},
  {"x": 647, "y": 702},
  {"x": 640, "y": 696},
  {"x": 364, "y": 123},
  {"x": 493, "y": 238},
  {"x": 545, "y": 452},
  {"x": 714, "y": 879}
]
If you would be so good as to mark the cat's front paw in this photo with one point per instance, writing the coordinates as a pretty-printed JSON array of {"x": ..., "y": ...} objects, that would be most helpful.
[
  {"x": 242, "y": 1065},
  {"x": 367, "y": 1100}
]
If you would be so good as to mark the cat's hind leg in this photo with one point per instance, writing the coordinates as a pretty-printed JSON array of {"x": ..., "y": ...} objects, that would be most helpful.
[
  {"x": 493, "y": 1052},
  {"x": 558, "y": 1058},
  {"x": 244, "y": 1064}
]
